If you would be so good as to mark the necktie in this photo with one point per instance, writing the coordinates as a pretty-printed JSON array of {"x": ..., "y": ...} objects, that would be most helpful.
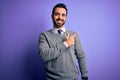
[{"x": 59, "y": 31}]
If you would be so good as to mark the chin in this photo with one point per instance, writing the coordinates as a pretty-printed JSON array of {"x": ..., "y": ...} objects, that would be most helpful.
[{"x": 57, "y": 26}]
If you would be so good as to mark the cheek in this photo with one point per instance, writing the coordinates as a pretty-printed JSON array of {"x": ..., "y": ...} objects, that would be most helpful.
[
  {"x": 55, "y": 18},
  {"x": 64, "y": 19}
]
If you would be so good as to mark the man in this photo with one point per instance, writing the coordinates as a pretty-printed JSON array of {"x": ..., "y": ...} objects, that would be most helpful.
[{"x": 59, "y": 49}]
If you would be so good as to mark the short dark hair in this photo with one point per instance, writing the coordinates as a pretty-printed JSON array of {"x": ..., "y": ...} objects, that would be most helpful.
[{"x": 60, "y": 5}]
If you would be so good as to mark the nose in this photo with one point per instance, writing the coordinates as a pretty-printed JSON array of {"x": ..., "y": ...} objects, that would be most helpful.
[{"x": 60, "y": 16}]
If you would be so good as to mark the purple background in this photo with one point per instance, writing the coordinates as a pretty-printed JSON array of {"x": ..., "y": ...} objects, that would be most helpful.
[{"x": 96, "y": 21}]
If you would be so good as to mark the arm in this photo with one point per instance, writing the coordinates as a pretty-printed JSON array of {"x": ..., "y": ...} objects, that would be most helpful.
[
  {"x": 46, "y": 52},
  {"x": 81, "y": 58}
]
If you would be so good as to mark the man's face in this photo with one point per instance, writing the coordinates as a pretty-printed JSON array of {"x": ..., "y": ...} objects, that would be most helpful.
[{"x": 59, "y": 17}]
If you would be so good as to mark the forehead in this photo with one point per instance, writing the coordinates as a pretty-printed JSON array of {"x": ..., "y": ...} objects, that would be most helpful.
[{"x": 60, "y": 10}]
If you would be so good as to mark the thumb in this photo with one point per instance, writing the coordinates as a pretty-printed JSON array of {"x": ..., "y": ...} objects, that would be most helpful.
[{"x": 67, "y": 35}]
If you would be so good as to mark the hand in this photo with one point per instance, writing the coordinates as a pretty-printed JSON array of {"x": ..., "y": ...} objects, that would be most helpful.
[{"x": 70, "y": 40}]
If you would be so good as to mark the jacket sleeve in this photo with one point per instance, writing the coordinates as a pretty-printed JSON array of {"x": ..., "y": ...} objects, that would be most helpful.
[
  {"x": 46, "y": 52},
  {"x": 81, "y": 57}
]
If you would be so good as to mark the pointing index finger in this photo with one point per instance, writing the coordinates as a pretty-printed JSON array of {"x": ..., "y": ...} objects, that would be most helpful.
[{"x": 74, "y": 35}]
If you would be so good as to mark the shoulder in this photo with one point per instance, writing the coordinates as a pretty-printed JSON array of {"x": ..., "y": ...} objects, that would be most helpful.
[{"x": 46, "y": 32}]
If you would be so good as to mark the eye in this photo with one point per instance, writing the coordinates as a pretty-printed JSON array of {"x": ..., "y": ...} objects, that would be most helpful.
[
  {"x": 63, "y": 15},
  {"x": 56, "y": 14}
]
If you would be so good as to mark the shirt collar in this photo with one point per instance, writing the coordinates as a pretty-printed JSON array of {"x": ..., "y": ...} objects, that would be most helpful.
[{"x": 55, "y": 30}]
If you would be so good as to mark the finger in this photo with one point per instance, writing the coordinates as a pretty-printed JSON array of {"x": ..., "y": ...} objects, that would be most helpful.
[{"x": 74, "y": 35}]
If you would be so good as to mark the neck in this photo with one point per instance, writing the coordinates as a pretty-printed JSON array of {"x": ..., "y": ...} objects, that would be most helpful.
[{"x": 59, "y": 27}]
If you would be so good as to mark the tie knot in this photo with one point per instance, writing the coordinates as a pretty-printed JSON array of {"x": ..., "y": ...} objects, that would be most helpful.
[{"x": 59, "y": 31}]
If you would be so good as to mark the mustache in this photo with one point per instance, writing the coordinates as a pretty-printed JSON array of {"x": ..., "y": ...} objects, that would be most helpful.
[{"x": 59, "y": 19}]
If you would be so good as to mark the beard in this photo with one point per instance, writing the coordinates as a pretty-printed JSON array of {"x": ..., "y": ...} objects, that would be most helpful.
[{"x": 57, "y": 24}]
